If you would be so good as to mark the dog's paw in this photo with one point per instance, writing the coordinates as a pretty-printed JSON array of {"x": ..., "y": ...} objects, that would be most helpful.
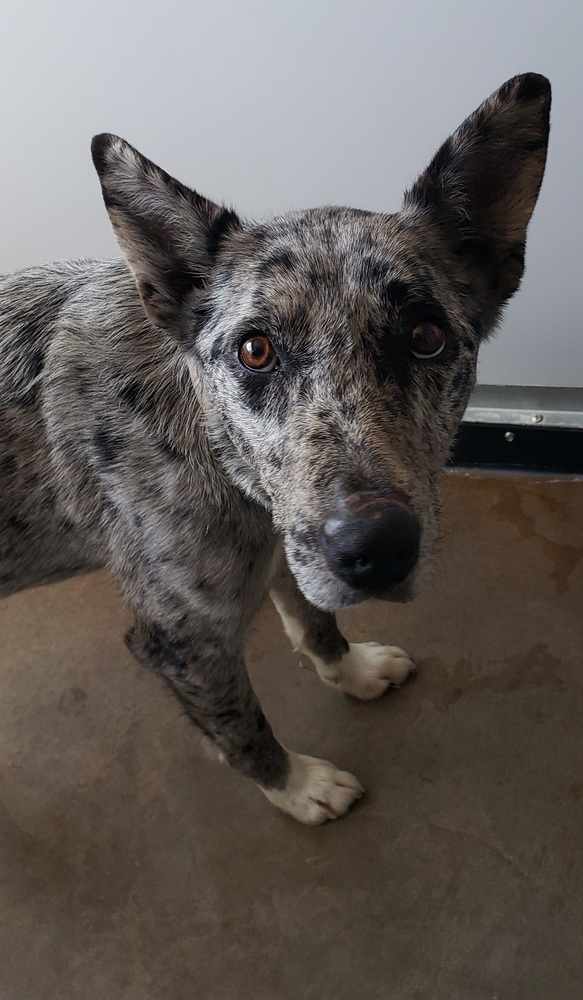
[
  {"x": 368, "y": 669},
  {"x": 315, "y": 790}
]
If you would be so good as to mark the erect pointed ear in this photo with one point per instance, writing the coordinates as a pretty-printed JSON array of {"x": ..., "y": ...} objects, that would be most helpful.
[
  {"x": 482, "y": 185},
  {"x": 168, "y": 233}
]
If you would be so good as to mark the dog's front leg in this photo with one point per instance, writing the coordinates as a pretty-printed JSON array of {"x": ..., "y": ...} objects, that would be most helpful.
[
  {"x": 361, "y": 669},
  {"x": 213, "y": 687}
]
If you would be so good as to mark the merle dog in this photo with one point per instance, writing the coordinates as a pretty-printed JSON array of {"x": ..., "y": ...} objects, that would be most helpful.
[{"x": 235, "y": 408}]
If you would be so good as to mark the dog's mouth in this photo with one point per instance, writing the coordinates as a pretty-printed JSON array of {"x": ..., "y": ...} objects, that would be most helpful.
[{"x": 329, "y": 593}]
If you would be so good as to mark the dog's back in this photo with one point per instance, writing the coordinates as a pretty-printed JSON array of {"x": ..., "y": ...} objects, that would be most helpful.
[
  {"x": 49, "y": 370},
  {"x": 81, "y": 372},
  {"x": 34, "y": 548}
]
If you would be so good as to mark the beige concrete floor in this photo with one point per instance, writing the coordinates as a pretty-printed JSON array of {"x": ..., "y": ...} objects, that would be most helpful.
[{"x": 133, "y": 868}]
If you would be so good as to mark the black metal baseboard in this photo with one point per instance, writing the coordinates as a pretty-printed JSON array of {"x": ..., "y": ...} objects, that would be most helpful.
[{"x": 508, "y": 446}]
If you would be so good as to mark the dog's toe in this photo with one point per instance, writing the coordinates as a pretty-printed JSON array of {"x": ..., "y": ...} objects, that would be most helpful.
[
  {"x": 315, "y": 791},
  {"x": 368, "y": 669}
]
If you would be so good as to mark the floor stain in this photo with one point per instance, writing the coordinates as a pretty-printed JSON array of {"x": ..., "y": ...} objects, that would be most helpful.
[
  {"x": 536, "y": 668},
  {"x": 72, "y": 701},
  {"x": 509, "y": 507},
  {"x": 565, "y": 558},
  {"x": 41, "y": 861}
]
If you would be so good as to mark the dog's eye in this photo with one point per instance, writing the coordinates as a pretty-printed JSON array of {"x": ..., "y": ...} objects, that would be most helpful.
[
  {"x": 258, "y": 353},
  {"x": 427, "y": 340}
]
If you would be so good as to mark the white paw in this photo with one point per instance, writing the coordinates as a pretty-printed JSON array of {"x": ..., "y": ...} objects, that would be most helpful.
[
  {"x": 368, "y": 669},
  {"x": 315, "y": 790}
]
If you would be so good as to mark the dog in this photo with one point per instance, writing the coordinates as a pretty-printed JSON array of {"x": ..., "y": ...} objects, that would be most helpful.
[{"x": 234, "y": 408}]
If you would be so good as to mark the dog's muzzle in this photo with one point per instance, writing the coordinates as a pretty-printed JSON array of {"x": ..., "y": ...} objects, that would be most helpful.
[{"x": 371, "y": 543}]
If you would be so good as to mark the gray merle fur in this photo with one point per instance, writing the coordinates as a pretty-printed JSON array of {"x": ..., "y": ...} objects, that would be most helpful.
[{"x": 132, "y": 437}]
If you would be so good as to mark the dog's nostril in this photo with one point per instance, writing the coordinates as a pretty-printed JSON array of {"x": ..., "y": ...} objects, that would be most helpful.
[{"x": 358, "y": 565}]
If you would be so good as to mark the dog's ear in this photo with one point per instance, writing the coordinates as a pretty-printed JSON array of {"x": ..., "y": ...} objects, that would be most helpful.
[
  {"x": 482, "y": 185},
  {"x": 169, "y": 234}
]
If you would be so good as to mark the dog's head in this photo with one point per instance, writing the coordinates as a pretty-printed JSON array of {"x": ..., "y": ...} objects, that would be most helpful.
[{"x": 335, "y": 350}]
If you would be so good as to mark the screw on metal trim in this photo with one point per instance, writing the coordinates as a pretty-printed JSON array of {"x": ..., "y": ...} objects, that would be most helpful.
[
  {"x": 537, "y": 419},
  {"x": 509, "y": 436}
]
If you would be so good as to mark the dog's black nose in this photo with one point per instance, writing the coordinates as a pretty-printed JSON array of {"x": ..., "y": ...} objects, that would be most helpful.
[{"x": 373, "y": 542}]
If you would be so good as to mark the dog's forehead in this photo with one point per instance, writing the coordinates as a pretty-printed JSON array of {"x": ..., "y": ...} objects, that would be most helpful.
[
  {"x": 328, "y": 258},
  {"x": 324, "y": 266},
  {"x": 330, "y": 244}
]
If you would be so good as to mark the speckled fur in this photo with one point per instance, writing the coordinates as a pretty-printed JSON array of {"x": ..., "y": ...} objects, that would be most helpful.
[{"x": 131, "y": 436}]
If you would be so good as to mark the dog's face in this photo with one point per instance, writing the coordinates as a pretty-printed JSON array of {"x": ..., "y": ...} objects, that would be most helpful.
[
  {"x": 335, "y": 350},
  {"x": 337, "y": 361}
]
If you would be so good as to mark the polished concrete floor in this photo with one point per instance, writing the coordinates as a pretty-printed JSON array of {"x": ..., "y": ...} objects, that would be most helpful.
[{"x": 134, "y": 868}]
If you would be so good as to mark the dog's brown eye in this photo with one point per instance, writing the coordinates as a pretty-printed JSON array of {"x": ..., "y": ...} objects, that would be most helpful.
[
  {"x": 258, "y": 354},
  {"x": 427, "y": 340}
]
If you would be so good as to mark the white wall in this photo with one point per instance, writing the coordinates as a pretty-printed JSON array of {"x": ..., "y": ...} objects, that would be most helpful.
[{"x": 270, "y": 105}]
